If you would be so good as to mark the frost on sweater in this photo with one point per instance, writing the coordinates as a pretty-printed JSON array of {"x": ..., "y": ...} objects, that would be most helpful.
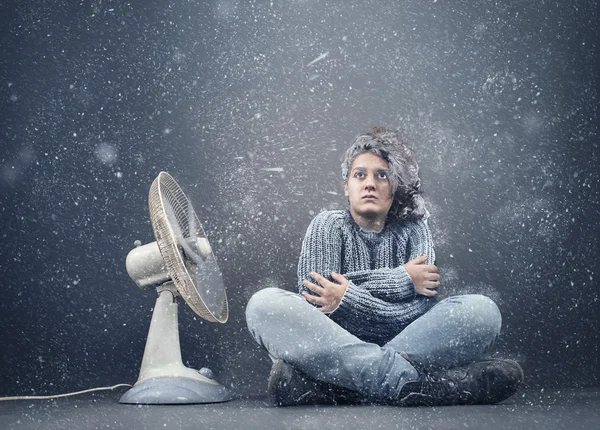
[{"x": 380, "y": 300}]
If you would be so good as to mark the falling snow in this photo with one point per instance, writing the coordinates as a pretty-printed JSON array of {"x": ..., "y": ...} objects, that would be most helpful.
[{"x": 250, "y": 106}]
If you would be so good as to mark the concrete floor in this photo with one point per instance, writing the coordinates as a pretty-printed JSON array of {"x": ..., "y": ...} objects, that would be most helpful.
[{"x": 566, "y": 409}]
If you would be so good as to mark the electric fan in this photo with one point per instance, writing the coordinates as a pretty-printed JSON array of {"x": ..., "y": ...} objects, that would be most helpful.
[{"x": 179, "y": 263}]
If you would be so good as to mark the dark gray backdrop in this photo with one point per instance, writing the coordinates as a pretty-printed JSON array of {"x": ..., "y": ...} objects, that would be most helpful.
[{"x": 250, "y": 105}]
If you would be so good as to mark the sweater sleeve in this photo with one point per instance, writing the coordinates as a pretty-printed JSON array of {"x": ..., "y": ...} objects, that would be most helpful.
[
  {"x": 420, "y": 241},
  {"x": 321, "y": 248},
  {"x": 394, "y": 284},
  {"x": 322, "y": 253},
  {"x": 359, "y": 306},
  {"x": 389, "y": 284}
]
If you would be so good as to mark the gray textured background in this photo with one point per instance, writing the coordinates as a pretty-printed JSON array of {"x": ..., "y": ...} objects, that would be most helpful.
[{"x": 250, "y": 105}]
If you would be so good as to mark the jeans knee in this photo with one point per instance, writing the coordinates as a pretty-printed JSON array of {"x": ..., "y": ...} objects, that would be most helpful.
[
  {"x": 485, "y": 312},
  {"x": 270, "y": 305},
  {"x": 260, "y": 303}
]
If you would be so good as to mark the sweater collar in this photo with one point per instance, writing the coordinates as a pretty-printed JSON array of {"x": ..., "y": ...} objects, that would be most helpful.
[{"x": 366, "y": 234}]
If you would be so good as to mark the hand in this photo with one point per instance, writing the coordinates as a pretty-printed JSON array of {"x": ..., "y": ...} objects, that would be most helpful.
[
  {"x": 424, "y": 276},
  {"x": 329, "y": 293}
]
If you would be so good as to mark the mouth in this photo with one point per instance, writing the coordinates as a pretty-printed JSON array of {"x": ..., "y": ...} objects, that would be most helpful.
[{"x": 369, "y": 197}]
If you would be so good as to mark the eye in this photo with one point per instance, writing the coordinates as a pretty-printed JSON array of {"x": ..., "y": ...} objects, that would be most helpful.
[
  {"x": 382, "y": 175},
  {"x": 359, "y": 174}
]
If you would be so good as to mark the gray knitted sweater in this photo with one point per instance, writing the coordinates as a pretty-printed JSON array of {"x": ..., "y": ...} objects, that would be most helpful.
[{"x": 380, "y": 300}]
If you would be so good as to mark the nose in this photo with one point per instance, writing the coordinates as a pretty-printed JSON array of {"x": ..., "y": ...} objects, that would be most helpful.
[{"x": 369, "y": 183}]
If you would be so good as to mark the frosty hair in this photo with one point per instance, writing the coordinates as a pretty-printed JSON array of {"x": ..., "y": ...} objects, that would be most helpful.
[{"x": 404, "y": 171}]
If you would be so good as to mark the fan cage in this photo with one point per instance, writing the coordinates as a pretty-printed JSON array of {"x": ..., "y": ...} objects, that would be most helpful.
[{"x": 165, "y": 191}]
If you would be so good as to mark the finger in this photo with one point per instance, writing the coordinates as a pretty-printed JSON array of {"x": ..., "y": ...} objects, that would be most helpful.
[
  {"x": 419, "y": 260},
  {"x": 319, "y": 278},
  {"x": 429, "y": 293},
  {"x": 329, "y": 306},
  {"x": 319, "y": 301},
  {"x": 326, "y": 308},
  {"x": 431, "y": 268},
  {"x": 313, "y": 287},
  {"x": 338, "y": 277},
  {"x": 313, "y": 299},
  {"x": 433, "y": 277},
  {"x": 422, "y": 292}
]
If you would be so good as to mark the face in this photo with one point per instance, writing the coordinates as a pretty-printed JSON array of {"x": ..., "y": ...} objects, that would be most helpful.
[{"x": 368, "y": 186}]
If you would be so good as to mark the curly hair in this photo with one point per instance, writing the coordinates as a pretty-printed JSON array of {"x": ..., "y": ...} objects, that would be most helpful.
[{"x": 404, "y": 171}]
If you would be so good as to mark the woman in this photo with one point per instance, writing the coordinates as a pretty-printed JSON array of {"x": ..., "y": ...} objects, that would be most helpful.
[{"x": 366, "y": 325}]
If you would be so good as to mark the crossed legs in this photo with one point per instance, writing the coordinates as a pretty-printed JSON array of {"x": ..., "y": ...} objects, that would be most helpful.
[{"x": 456, "y": 331}]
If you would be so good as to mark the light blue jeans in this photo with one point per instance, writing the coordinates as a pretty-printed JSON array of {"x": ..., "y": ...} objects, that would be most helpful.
[{"x": 456, "y": 331}]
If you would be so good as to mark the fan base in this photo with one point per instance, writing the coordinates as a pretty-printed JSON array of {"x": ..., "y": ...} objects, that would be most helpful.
[{"x": 175, "y": 391}]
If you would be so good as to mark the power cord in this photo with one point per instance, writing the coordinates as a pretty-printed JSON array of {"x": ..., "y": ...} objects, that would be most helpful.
[{"x": 63, "y": 395}]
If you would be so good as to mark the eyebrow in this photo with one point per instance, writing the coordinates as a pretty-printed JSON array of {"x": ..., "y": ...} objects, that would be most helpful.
[{"x": 378, "y": 170}]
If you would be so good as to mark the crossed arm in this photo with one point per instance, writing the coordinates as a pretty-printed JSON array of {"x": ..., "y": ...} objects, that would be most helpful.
[
  {"x": 323, "y": 285},
  {"x": 329, "y": 294}
]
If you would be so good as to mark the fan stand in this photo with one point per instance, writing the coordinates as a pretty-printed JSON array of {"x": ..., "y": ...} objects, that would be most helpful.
[{"x": 163, "y": 378}]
